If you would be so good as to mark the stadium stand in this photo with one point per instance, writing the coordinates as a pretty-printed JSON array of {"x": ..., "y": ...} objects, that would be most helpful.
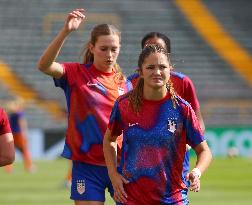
[{"x": 27, "y": 26}]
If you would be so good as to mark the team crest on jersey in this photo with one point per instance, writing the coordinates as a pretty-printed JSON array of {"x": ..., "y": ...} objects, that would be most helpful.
[
  {"x": 171, "y": 125},
  {"x": 81, "y": 186},
  {"x": 120, "y": 91}
]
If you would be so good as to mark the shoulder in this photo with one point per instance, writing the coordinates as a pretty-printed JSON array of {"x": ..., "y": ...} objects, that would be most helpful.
[
  {"x": 3, "y": 114},
  {"x": 133, "y": 76},
  {"x": 182, "y": 102},
  {"x": 176, "y": 76},
  {"x": 179, "y": 75},
  {"x": 1, "y": 111},
  {"x": 76, "y": 66},
  {"x": 123, "y": 98},
  {"x": 20, "y": 114}
]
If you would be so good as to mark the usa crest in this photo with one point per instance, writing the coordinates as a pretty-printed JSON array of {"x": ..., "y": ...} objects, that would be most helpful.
[
  {"x": 171, "y": 125},
  {"x": 81, "y": 186},
  {"x": 120, "y": 91}
]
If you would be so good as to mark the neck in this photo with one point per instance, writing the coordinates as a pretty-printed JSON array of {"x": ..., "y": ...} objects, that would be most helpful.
[
  {"x": 154, "y": 94},
  {"x": 105, "y": 69}
]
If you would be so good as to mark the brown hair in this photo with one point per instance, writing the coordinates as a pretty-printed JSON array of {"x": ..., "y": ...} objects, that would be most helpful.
[
  {"x": 136, "y": 95},
  {"x": 102, "y": 30},
  {"x": 157, "y": 35}
]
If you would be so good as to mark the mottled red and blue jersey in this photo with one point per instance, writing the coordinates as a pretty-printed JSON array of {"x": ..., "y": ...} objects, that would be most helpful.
[
  {"x": 14, "y": 121},
  {"x": 4, "y": 123},
  {"x": 185, "y": 89},
  {"x": 154, "y": 146},
  {"x": 90, "y": 96}
]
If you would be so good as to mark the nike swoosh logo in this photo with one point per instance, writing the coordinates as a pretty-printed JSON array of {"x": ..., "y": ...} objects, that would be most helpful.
[{"x": 91, "y": 84}]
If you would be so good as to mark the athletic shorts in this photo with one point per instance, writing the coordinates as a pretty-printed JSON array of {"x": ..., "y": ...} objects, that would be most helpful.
[{"x": 89, "y": 182}]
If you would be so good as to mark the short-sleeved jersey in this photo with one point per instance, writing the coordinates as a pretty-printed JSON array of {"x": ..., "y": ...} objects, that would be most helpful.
[
  {"x": 4, "y": 123},
  {"x": 185, "y": 89},
  {"x": 154, "y": 146},
  {"x": 183, "y": 86},
  {"x": 14, "y": 121},
  {"x": 90, "y": 96}
]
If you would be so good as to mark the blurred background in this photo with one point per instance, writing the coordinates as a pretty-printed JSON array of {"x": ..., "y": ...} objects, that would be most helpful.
[{"x": 210, "y": 42}]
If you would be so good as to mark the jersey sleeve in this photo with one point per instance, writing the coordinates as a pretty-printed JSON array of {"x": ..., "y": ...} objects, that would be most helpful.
[
  {"x": 70, "y": 73},
  {"x": 194, "y": 134},
  {"x": 115, "y": 122},
  {"x": 4, "y": 123},
  {"x": 133, "y": 79},
  {"x": 190, "y": 93}
]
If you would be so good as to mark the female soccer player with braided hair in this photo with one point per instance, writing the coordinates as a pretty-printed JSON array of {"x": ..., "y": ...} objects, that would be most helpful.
[
  {"x": 91, "y": 89},
  {"x": 156, "y": 126},
  {"x": 182, "y": 84}
]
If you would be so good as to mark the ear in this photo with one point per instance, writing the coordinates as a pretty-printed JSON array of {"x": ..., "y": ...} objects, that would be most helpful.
[
  {"x": 91, "y": 48},
  {"x": 140, "y": 72}
]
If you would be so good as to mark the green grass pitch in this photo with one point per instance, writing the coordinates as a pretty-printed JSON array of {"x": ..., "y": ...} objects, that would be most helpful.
[{"x": 226, "y": 182}]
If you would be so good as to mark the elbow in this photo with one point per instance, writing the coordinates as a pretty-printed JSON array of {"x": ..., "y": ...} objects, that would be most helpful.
[
  {"x": 210, "y": 155},
  {"x": 11, "y": 158},
  {"x": 41, "y": 66},
  {"x": 7, "y": 160}
]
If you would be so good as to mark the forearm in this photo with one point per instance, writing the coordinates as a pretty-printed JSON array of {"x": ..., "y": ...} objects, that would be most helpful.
[
  {"x": 109, "y": 149},
  {"x": 52, "y": 51},
  {"x": 204, "y": 158}
]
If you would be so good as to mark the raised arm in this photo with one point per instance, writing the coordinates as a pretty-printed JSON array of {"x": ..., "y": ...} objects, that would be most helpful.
[{"x": 47, "y": 63}]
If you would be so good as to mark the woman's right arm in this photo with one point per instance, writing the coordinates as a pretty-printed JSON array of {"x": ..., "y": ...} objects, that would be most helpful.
[
  {"x": 47, "y": 63},
  {"x": 7, "y": 149},
  {"x": 117, "y": 180}
]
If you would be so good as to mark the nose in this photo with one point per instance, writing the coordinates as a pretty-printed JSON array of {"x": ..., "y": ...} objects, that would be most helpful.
[
  {"x": 157, "y": 71},
  {"x": 109, "y": 53}
]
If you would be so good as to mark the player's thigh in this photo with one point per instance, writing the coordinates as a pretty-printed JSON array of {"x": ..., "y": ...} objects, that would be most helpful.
[
  {"x": 89, "y": 183},
  {"x": 88, "y": 203},
  {"x": 20, "y": 141}
]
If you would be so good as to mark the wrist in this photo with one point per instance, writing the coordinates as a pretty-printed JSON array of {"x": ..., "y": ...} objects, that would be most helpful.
[
  {"x": 65, "y": 32},
  {"x": 197, "y": 171},
  {"x": 112, "y": 172}
]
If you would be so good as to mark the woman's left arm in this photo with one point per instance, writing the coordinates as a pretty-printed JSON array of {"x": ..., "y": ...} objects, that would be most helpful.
[{"x": 204, "y": 157}]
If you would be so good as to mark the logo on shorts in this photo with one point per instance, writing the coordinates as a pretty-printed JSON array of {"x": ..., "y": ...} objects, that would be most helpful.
[{"x": 81, "y": 186}]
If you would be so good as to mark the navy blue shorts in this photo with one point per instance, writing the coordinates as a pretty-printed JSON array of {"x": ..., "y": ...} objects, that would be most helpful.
[{"x": 89, "y": 182}]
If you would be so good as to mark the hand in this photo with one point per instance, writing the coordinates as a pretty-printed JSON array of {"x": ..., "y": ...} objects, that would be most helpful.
[
  {"x": 74, "y": 20},
  {"x": 119, "y": 192},
  {"x": 194, "y": 181}
]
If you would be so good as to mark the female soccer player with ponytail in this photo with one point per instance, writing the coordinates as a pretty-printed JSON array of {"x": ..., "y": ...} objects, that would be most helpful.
[{"x": 91, "y": 89}]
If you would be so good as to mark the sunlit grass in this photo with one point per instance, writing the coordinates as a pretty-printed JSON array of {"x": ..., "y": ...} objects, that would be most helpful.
[{"x": 226, "y": 182}]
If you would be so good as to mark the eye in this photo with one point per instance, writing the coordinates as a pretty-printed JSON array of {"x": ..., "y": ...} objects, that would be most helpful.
[
  {"x": 114, "y": 49},
  {"x": 150, "y": 67},
  {"x": 162, "y": 67},
  {"x": 103, "y": 48}
]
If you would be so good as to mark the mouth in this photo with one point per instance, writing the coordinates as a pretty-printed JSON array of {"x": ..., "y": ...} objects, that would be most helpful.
[
  {"x": 109, "y": 61},
  {"x": 157, "y": 79}
]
